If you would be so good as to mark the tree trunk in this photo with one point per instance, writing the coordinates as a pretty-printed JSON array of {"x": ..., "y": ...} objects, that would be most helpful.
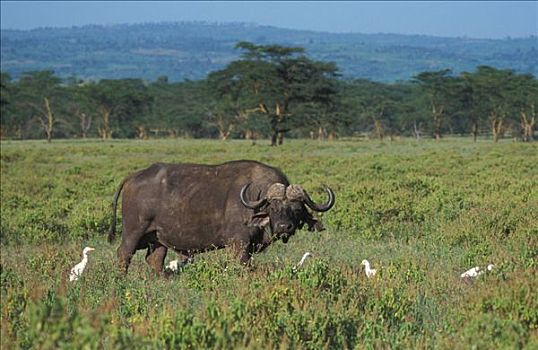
[
  {"x": 50, "y": 121},
  {"x": 474, "y": 131},
  {"x": 416, "y": 131},
  {"x": 225, "y": 129},
  {"x": 437, "y": 129},
  {"x": 528, "y": 125},
  {"x": 280, "y": 138},
  {"x": 378, "y": 126},
  {"x": 85, "y": 124},
  {"x": 251, "y": 135},
  {"x": 274, "y": 130},
  {"x": 278, "y": 135},
  {"x": 224, "y": 134},
  {"x": 142, "y": 132},
  {"x": 104, "y": 130},
  {"x": 321, "y": 133},
  {"x": 496, "y": 126},
  {"x": 437, "y": 121},
  {"x": 274, "y": 137}
]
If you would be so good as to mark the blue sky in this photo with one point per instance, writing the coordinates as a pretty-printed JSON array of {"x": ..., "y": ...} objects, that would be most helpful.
[{"x": 480, "y": 19}]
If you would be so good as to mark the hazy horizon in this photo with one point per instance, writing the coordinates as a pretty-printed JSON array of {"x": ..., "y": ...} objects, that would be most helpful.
[{"x": 481, "y": 20}]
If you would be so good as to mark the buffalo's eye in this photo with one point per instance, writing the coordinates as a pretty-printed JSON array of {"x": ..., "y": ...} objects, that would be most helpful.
[{"x": 297, "y": 212}]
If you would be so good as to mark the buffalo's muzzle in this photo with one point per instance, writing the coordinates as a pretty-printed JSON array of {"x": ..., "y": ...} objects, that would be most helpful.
[{"x": 284, "y": 228}]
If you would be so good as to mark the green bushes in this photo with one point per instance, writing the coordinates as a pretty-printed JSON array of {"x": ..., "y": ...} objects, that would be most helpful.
[{"x": 421, "y": 213}]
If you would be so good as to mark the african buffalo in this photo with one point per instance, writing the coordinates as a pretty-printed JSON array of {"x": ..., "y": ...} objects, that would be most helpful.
[{"x": 192, "y": 208}]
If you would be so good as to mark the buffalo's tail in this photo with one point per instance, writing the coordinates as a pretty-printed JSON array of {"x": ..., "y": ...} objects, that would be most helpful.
[{"x": 112, "y": 230}]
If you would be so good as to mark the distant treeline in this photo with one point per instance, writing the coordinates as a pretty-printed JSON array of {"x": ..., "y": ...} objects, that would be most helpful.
[{"x": 273, "y": 92}]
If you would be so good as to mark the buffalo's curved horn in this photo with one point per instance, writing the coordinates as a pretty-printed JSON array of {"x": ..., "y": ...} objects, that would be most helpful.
[
  {"x": 250, "y": 204},
  {"x": 320, "y": 207}
]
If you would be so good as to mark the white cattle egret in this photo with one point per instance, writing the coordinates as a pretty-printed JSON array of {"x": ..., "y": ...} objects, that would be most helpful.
[
  {"x": 476, "y": 271},
  {"x": 78, "y": 269},
  {"x": 175, "y": 265},
  {"x": 471, "y": 272},
  {"x": 369, "y": 272},
  {"x": 303, "y": 259}
]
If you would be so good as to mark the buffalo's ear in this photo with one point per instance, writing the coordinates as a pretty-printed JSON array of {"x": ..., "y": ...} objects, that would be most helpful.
[
  {"x": 260, "y": 219},
  {"x": 317, "y": 226},
  {"x": 313, "y": 223}
]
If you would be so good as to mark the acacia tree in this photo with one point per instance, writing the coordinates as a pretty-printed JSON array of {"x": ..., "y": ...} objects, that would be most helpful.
[
  {"x": 119, "y": 103},
  {"x": 272, "y": 80},
  {"x": 225, "y": 116},
  {"x": 252, "y": 87},
  {"x": 80, "y": 109},
  {"x": 312, "y": 95},
  {"x": 36, "y": 94},
  {"x": 438, "y": 87},
  {"x": 178, "y": 109},
  {"x": 525, "y": 101},
  {"x": 376, "y": 110},
  {"x": 492, "y": 89},
  {"x": 468, "y": 102},
  {"x": 235, "y": 91},
  {"x": 408, "y": 114},
  {"x": 377, "y": 106},
  {"x": 380, "y": 108}
]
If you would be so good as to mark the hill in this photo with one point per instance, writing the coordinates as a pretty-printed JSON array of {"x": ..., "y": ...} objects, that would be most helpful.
[{"x": 189, "y": 50}]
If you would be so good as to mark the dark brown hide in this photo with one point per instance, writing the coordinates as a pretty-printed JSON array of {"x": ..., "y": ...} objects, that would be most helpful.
[{"x": 193, "y": 208}]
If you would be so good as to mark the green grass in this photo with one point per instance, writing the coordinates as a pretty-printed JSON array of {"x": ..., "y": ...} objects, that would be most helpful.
[{"x": 422, "y": 213}]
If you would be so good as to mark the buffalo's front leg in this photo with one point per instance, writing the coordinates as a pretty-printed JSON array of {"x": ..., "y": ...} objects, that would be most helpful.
[
  {"x": 155, "y": 257},
  {"x": 243, "y": 251}
]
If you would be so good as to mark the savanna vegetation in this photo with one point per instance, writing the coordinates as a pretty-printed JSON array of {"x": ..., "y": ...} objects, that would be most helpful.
[{"x": 421, "y": 212}]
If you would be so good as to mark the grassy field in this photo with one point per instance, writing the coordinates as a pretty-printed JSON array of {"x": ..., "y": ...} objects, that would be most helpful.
[{"x": 422, "y": 213}]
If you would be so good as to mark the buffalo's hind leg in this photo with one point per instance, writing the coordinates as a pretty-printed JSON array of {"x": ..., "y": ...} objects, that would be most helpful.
[
  {"x": 155, "y": 257},
  {"x": 129, "y": 242}
]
